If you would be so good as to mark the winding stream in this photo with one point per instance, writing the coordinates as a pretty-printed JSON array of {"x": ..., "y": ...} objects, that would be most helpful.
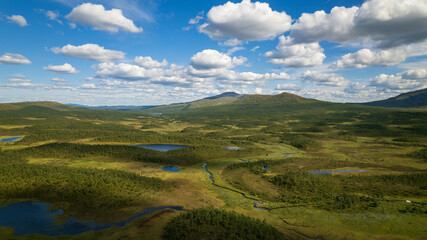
[{"x": 256, "y": 202}]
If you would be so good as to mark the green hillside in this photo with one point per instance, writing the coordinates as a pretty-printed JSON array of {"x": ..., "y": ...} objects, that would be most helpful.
[{"x": 405, "y": 100}]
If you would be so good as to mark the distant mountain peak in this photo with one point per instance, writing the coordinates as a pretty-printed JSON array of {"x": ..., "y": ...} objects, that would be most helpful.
[{"x": 226, "y": 94}]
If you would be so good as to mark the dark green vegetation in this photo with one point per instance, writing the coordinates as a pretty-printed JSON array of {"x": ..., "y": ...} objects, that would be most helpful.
[
  {"x": 183, "y": 157},
  {"x": 331, "y": 192},
  {"x": 87, "y": 189},
  {"x": 81, "y": 160},
  {"x": 411, "y": 99},
  {"x": 212, "y": 223}
]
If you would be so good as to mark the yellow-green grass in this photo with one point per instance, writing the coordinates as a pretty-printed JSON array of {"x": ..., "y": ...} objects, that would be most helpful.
[
  {"x": 374, "y": 225},
  {"x": 13, "y": 126}
]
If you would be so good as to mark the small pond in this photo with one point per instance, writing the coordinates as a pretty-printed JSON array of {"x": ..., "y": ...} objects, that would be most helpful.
[
  {"x": 231, "y": 148},
  {"x": 161, "y": 147},
  {"x": 265, "y": 168},
  {"x": 12, "y": 139},
  {"x": 36, "y": 217},
  {"x": 287, "y": 154},
  {"x": 329, "y": 172},
  {"x": 170, "y": 169}
]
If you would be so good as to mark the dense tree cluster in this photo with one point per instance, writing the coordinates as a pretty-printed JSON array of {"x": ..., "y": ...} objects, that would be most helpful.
[
  {"x": 210, "y": 224},
  {"x": 82, "y": 187},
  {"x": 334, "y": 192}
]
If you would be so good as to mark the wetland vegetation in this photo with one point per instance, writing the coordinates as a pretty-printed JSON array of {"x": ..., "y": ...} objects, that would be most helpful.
[{"x": 84, "y": 161}]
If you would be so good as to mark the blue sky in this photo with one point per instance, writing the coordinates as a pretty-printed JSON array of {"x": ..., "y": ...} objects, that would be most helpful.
[{"x": 144, "y": 52}]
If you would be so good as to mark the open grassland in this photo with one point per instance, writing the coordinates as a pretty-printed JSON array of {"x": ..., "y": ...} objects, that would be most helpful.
[{"x": 80, "y": 160}]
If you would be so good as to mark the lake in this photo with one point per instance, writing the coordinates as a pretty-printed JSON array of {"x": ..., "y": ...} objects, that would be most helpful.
[
  {"x": 329, "y": 172},
  {"x": 170, "y": 169},
  {"x": 12, "y": 139},
  {"x": 36, "y": 217},
  {"x": 161, "y": 147}
]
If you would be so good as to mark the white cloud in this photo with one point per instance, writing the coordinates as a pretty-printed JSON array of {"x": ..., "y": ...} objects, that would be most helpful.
[
  {"x": 414, "y": 74},
  {"x": 254, "y": 48},
  {"x": 90, "y": 51},
  {"x": 126, "y": 71},
  {"x": 59, "y": 80},
  {"x": 296, "y": 55},
  {"x": 23, "y": 85},
  {"x": 148, "y": 62},
  {"x": 384, "y": 23},
  {"x": 324, "y": 79},
  {"x": 366, "y": 57},
  {"x": 89, "y": 86},
  {"x": 52, "y": 15},
  {"x": 258, "y": 90},
  {"x": 355, "y": 88},
  {"x": 416, "y": 79},
  {"x": 231, "y": 42},
  {"x": 197, "y": 18},
  {"x": 288, "y": 86},
  {"x": 99, "y": 18},
  {"x": 12, "y": 58},
  {"x": 233, "y": 77},
  {"x": 234, "y": 49},
  {"x": 66, "y": 68},
  {"x": 187, "y": 77},
  {"x": 19, "y": 78},
  {"x": 249, "y": 21},
  {"x": 18, "y": 19},
  {"x": 72, "y": 25},
  {"x": 210, "y": 59}
]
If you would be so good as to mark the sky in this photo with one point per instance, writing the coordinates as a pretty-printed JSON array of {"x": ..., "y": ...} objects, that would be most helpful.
[{"x": 148, "y": 52}]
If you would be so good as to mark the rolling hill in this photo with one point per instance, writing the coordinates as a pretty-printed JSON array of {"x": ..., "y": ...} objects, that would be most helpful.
[{"x": 405, "y": 100}]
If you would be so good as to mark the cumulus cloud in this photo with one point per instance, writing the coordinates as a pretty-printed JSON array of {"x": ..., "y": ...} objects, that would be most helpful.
[
  {"x": 126, "y": 71},
  {"x": 366, "y": 57},
  {"x": 296, "y": 55},
  {"x": 18, "y": 19},
  {"x": 414, "y": 74},
  {"x": 233, "y": 77},
  {"x": 13, "y": 58},
  {"x": 210, "y": 59},
  {"x": 249, "y": 21},
  {"x": 355, "y": 88},
  {"x": 148, "y": 62},
  {"x": 90, "y": 51},
  {"x": 385, "y": 23},
  {"x": 325, "y": 79},
  {"x": 99, "y": 18},
  {"x": 66, "y": 68},
  {"x": 386, "y": 82},
  {"x": 288, "y": 86},
  {"x": 175, "y": 75}
]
